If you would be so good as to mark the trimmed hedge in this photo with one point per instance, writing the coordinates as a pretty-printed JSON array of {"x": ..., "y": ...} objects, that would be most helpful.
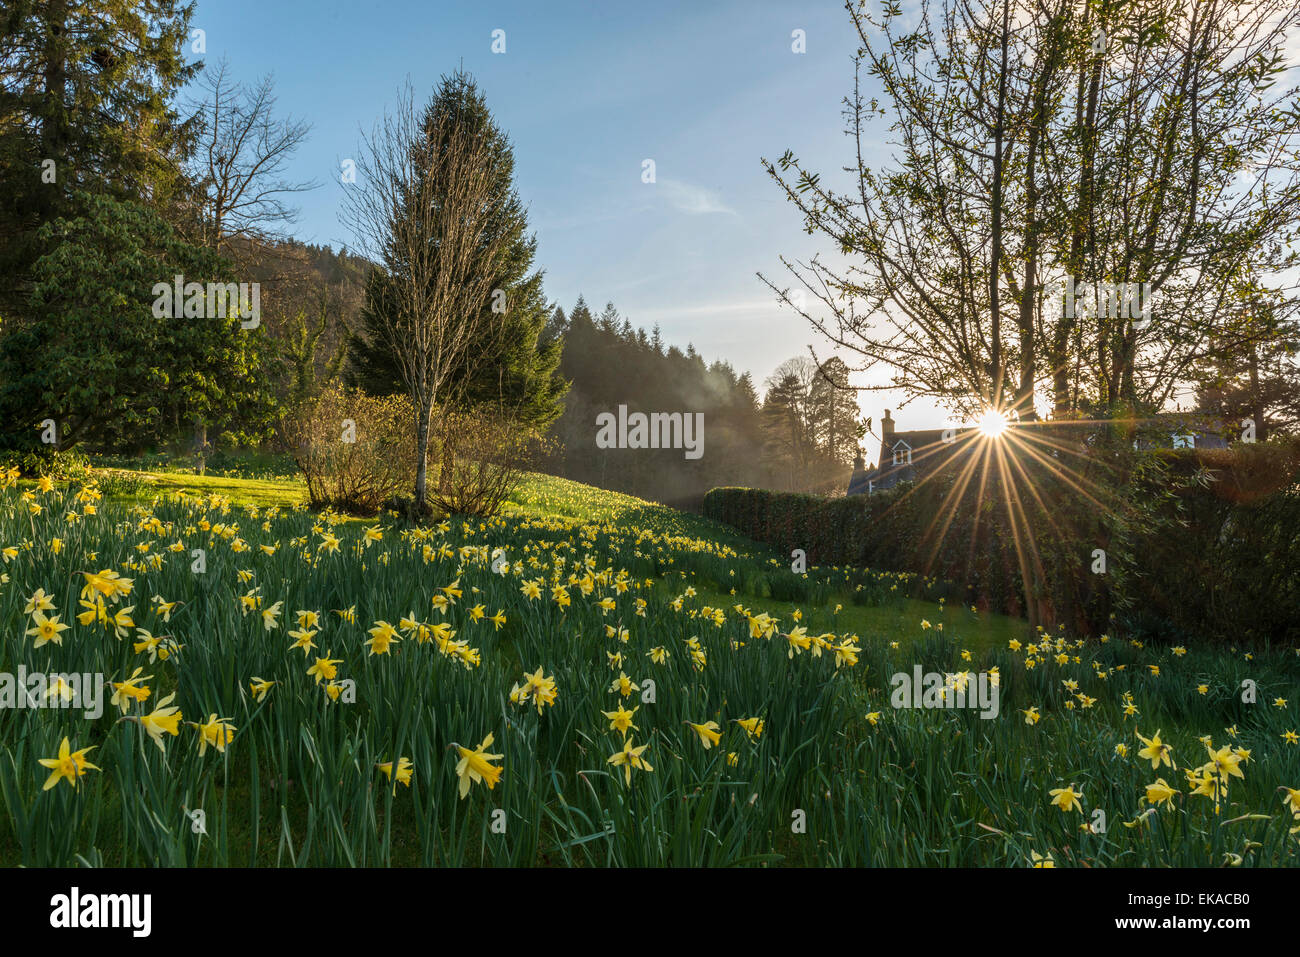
[
  {"x": 1197, "y": 544},
  {"x": 886, "y": 531},
  {"x": 1231, "y": 568}
]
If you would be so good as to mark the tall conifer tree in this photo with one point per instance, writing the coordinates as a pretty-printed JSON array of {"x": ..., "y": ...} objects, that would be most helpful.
[{"x": 521, "y": 374}]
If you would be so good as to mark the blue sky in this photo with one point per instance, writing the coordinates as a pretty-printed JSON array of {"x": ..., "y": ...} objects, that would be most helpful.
[{"x": 586, "y": 92}]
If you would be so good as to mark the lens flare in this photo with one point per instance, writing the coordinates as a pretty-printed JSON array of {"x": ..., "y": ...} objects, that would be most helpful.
[{"x": 993, "y": 423}]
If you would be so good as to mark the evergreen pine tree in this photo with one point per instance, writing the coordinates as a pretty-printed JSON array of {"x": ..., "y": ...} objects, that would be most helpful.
[
  {"x": 521, "y": 375},
  {"x": 608, "y": 321},
  {"x": 580, "y": 316},
  {"x": 834, "y": 412},
  {"x": 85, "y": 110}
]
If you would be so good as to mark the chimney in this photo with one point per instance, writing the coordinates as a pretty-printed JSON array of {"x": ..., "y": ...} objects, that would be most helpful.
[{"x": 887, "y": 429}]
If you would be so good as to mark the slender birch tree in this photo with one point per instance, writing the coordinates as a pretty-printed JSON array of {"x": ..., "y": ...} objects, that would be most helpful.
[{"x": 422, "y": 207}]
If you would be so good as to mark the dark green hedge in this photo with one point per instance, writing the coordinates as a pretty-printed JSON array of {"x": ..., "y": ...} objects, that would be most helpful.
[
  {"x": 1198, "y": 545},
  {"x": 1230, "y": 568}
]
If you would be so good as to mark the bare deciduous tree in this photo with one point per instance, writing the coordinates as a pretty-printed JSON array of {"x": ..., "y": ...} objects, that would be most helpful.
[
  {"x": 240, "y": 161},
  {"x": 238, "y": 167},
  {"x": 1118, "y": 144},
  {"x": 422, "y": 207}
]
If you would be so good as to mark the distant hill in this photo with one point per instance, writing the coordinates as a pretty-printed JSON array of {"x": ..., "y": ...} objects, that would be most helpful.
[{"x": 294, "y": 277}]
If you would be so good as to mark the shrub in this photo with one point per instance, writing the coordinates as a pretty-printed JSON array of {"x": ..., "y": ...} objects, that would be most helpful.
[
  {"x": 121, "y": 482},
  {"x": 59, "y": 466},
  {"x": 355, "y": 451},
  {"x": 1231, "y": 569},
  {"x": 481, "y": 455}
]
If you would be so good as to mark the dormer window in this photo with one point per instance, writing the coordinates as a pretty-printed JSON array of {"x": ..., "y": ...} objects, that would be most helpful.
[{"x": 902, "y": 453}]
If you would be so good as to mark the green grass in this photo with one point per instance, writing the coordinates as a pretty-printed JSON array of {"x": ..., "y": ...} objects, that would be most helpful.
[
  {"x": 552, "y": 497},
  {"x": 298, "y": 784},
  {"x": 142, "y": 487},
  {"x": 548, "y": 496},
  {"x": 893, "y": 622}
]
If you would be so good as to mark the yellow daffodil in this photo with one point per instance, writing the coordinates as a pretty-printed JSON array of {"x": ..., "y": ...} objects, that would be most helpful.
[
  {"x": 630, "y": 757},
  {"x": 217, "y": 732},
  {"x": 1291, "y": 799},
  {"x": 1067, "y": 798},
  {"x": 302, "y": 639},
  {"x": 324, "y": 668},
  {"x": 382, "y": 635},
  {"x": 1156, "y": 751},
  {"x": 46, "y": 629},
  {"x": 270, "y": 616},
  {"x": 1225, "y": 763},
  {"x": 39, "y": 601},
  {"x": 709, "y": 733},
  {"x": 1160, "y": 792},
  {"x": 68, "y": 766},
  {"x": 475, "y": 767},
  {"x": 124, "y": 692},
  {"x": 164, "y": 719},
  {"x": 620, "y": 719},
  {"x": 404, "y": 769},
  {"x": 624, "y": 685}
]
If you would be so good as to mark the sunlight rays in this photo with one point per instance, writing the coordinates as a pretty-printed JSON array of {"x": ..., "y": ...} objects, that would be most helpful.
[{"x": 991, "y": 460}]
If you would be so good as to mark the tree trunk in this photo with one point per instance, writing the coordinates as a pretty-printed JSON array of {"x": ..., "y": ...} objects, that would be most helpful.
[
  {"x": 52, "y": 112},
  {"x": 422, "y": 416},
  {"x": 1024, "y": 400},
  {"x": 200, "y": 448},
  {"x": 1089, "y": 92},
  {"x": 996, "y": 372},
  {"x": 1256, "y": 397},
  {"x": 446, "y": 457}
]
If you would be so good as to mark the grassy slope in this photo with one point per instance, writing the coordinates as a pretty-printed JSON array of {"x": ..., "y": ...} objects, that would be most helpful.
[
  {"x": 142, "y": 487},
  {"x": 546, "y": 496},
  {"x": 948, "y": 763}
]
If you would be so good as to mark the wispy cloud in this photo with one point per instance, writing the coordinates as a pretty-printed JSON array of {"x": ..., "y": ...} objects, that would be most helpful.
[
  {"x": 731, "y": 310},
  {"x": 582, "y": 220},
  {"x": 693, "y": 200}
]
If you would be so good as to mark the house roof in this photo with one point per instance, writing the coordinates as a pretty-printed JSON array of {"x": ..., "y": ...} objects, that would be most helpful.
[
  {"x": 928, "y": 448},
  {"x": 919, "y": 438}
]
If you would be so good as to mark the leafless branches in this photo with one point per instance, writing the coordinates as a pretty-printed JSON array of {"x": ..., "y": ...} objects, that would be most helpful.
[
  {"x": 241, "y": 161},
  {"x": 422, "y": 205}
]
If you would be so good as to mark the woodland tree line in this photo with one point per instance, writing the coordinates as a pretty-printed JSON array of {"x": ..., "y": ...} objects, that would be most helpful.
[{"x": 801, "y": 432}]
